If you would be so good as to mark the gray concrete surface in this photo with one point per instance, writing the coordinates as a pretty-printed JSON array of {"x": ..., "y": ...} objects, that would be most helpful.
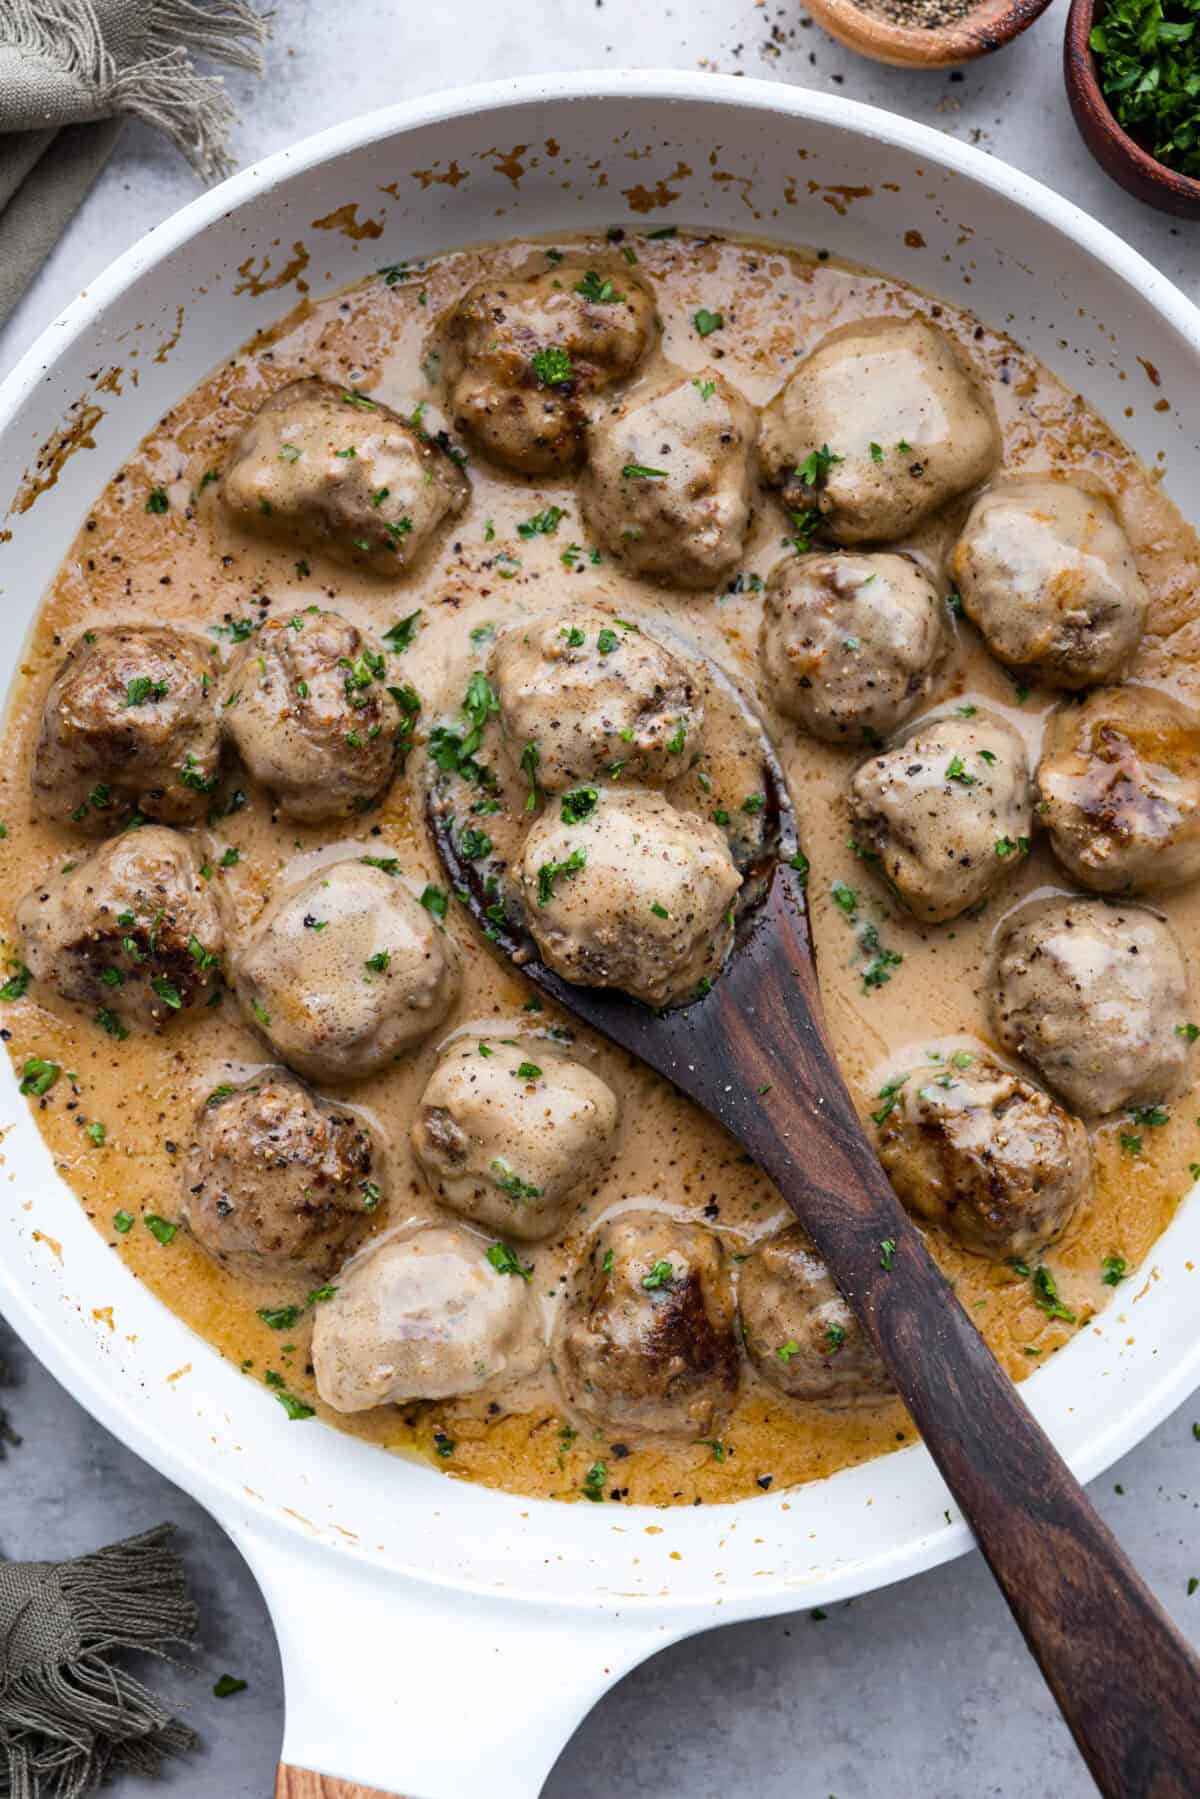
[{"x": 924, "y": 1689}]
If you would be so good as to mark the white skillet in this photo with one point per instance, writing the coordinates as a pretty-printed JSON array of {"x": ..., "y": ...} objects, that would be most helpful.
[{"x": 438, "y": 1638}]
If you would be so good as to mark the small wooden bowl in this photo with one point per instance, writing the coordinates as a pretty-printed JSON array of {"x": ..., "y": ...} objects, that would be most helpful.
[
  {"x": 987, "y": 26},
  {"x": 1118, "y": 154}
]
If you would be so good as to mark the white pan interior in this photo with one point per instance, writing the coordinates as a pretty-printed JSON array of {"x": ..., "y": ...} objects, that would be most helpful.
[{"x": 545, "y": 155}]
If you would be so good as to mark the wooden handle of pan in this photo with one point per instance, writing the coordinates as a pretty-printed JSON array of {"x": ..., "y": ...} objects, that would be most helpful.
[{"x": 306, "y": 1783}]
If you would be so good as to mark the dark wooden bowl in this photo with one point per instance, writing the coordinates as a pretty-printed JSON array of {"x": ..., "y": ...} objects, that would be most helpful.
[
  {"x": 1118, "y": 154},
  {"x": 988, "y": 26}
]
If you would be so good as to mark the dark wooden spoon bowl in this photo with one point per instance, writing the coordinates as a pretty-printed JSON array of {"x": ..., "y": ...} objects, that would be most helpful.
[
  {"x": 1118, "y": 154},
  {"x": 755, "y": 1054}
]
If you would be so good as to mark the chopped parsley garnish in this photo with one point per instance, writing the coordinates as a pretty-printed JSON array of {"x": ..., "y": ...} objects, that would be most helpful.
[
  {"x": 108, "y": 1021},
  {"x": 835, "y": 1337},
  {"x": 890, "y": 1095},
  {"x": 295, "y": 1408},
  {"x": 161, "y": 1229},
  {"x": 706, "y": 389},
  {"x": 600, "y": 292},
  {"x": 552, "y": 872},
  {"x": 227, "y": 1685},
  {"x": 167, "y": 992},
  {"x": 157, "y": 500},
  {"x": 814, "y": 470},
  {"x": 506, "y": 1261},
  {"x": 38, "y": 1076},
  {"x": 661, "y": 1275},
  {"x": 956, "y": 770},
  {"x": 607, "y": 641},
  {"x": 579, "y": 804},
  {"x": 435, "y": 901},
  {"x": 637, "y": 471},
  {"x": 1113, "y": 1270},
  {"x": 659, "y": 911},
  {"x": 123, "y": 1222},
  {"x": 474, "y": 844},
  {"x": 1148, "y": 63},
  {"x": 542, "y": 524},
  {"x": 511, "y": 1183},
  {"x": 1189, "y": 1032},
  {"x": 677, "y": 740},
  {"x": 142, "y": 688},
  {"x": 399, "y": 637},
  {"x": 379, "y": 963},
  {"x": 17, "y": 983},
  {"x": 528, "y": 1071},
  {"x": 593, "y": 1481},
  {"x": 787, "y": 1350},
  {"x": 887, "y": 1254},
  {"x": 804, "y": 527},
  {"x": 844, "y": 897},
  {"x": 707, "y": 322},
  {"x": 876, "y": 453},
  {"x": 280, "y": 1318},
  {"x": 552, "y": 366},
  {"x": 1046, "y": 1295}
]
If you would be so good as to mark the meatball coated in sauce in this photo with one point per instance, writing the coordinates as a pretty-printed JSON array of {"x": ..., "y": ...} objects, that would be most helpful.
[
  {"x": 647, "y": 1341},
  {"x": 306, "y": 707},
  {"x": 1093, "y": 995},
  {"x": 849, "y": 644},
  {"x": 636, "y": 896},
  {"x": 596, "y": 697},
  {"x": 336, "y": 471},
  {"x": 903, "y": 417},
  {"x": 279, "y": 1180},
  {"x": 131, "y": 930},
  {"x": 948, "y": 812},
  {"x": 508, "y": 1133},
  {"x": 1119, "y": 781},
  {"x": 799, "y": 1333},
  {"x": 1047, "y": 574},
  {"x": 129, "y": 725},
  {"x": 423, "y": 1316},
  {"x": 345, "y": 970},
  {"x": 522, "y": 355},
  {"x": 666, "y": 488},
  {"x": 981, "y": 1151}
]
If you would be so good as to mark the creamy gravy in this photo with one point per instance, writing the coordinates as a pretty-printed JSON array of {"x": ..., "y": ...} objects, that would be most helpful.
[{"x": 189, "y": 567}]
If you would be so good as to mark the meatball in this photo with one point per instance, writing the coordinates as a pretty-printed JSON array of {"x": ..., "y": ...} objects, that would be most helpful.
[
  {"x": 335, "y": 471},
  {"x": 345, "y": 970},
  {"x": 849, "y": 644},
  {"x": 131, "y": 930},
  {"x": 646, "y": 1339},
  {"x": 508, "y": 1132},
  {"x": 947, "y": 813},
  {"x": 129, "y": 725},
  {"x": 800, "y": 1334},
  {"x": 635, "y": 895},
  {"x": 666, "y": 488},
  {"x": 305, "y": 705},
  {"x": 879, "y": 426},
  {"x": 424, "y": 1316},
  {"x": 1093, "y": 995},
  {"x": 522, "y": 355},
  {"x": 1047, "y": 574},
  {"x": 278, "y": 1180},
  {"x": 971, "y": 1146},
  {"x": 1119, "y": 781},
  {"x": 595, "y": 696}
]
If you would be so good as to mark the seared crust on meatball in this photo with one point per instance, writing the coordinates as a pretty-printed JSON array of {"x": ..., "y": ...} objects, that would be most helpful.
[
  {"x": 948, "y": 812},
  {"x": 1047, "y": 574},
  {"x": 508, "y": 1132},
  {"x": 129, "y": 725},
  {"x": 1093, "y": 995},
  {"x": 800, "y": 1334},
  {"x": 597, "y": 698},
  {"x": 345, "y": 970},
  {"x": 849, "y": 644},
  {"x": 666, "y": 488},
  {"x": 306, "y": 706},
  {"x": 982, "y": 1152},
  {"x": 881, "y": 424},
  {"x": 337, "y": 471},
  {"x": 635, "y": 895},
  {"x": 131, "y": 930},
  {"x": 646, "y": 1341},
  {"x": 522, "y": 355},
  {"x": 423, "y": 1316},
  {"x": 1119, "y": 781},
  {"x": 278, "y": 1180}
]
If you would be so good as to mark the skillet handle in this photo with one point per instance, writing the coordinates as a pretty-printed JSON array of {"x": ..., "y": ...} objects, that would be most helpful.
[
  {"x": 1126, "y": 1681},
  {"x": 302, "y": 1783}
]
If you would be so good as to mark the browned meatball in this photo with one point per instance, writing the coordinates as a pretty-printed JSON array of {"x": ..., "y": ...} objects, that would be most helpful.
[
  {"x": 521, "y": 355},
  {"x": 279, "y": 1180},
  {"x": 129, "y": 725},
  {"x": 306, "y": 704},
  {"x": 971, "y": 1146},
  {"x": 667, "y": 487},
  {"x": 336, "y": 471},
  {"x": 646, "y": 1342},
  {"x": 799, "y": 1332},
  {"x": 131, "y": 930},
  {"x": 1120, "y": 789}
]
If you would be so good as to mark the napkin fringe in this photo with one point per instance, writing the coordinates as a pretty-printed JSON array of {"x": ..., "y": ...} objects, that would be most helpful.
[
  {"x": 66, "y": 1724},
  {"x": 162, "y": 87}
]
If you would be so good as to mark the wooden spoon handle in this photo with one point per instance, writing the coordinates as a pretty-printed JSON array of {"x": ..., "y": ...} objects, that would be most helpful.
[
  {"x": 306, "y": 1783},
  {"x": 1127, "y": 1682}
]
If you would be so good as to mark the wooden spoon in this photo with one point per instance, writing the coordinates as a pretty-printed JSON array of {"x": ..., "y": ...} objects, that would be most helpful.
[{"x": 755, "y": 1054}]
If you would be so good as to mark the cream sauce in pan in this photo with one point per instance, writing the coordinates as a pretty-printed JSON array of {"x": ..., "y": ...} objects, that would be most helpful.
[{"x": 189, "y": 567}]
